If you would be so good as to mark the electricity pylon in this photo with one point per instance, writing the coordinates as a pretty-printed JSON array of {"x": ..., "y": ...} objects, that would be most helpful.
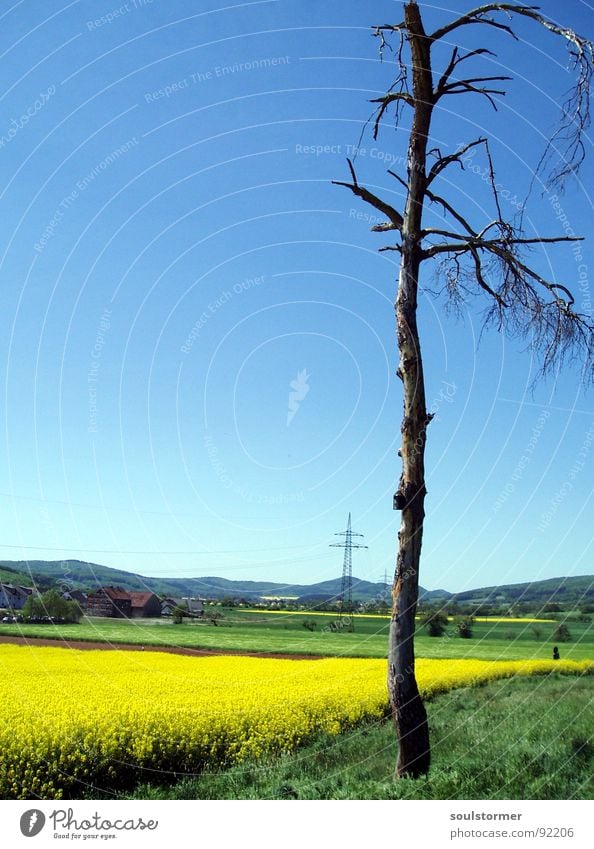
[{"x": 345, "y": 601}]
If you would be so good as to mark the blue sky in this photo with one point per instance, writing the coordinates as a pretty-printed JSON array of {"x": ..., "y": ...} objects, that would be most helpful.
[{"x": 198, "y": 346}]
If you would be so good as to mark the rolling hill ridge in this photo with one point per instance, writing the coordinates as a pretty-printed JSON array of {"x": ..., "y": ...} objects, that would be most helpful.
[{"x": 77, "y": 574}]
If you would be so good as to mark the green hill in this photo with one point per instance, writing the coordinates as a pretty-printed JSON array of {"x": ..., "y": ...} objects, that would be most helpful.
[
  {"x": 13, "y": 576},
  {"x": 75, "y": 574},
  {"x": 560, "y": 590},
  {"x": 78, "y": 574}
]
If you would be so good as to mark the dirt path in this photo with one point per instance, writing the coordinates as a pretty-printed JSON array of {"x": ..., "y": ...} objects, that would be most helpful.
[{"x": 88, "y": 645}]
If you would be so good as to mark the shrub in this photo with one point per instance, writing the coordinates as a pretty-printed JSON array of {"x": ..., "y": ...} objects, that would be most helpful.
[
  {"x": 464, "y": 626},
  {"x": 51, "y": 604},
  {"x": 435, "y": 623},
  {"x": 177, "y": 615},
  {"x": 561, "y": 634}
]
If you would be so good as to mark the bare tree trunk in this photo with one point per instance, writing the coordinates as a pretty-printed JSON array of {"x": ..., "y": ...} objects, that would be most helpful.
[
  {"x": 408, "y": 711},
  {"x": 540, "y": 310}
]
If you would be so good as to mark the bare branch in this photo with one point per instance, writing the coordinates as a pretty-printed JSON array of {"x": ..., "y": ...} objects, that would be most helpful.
[
  {"x": 515, "y": 269},
  {"x": 543, "y": 240},
  {"x": 477, "y": 80},
  {"x": 447, "y": 248},
  {"x": 478, "y": 16},
  {"x": 384, "y": 227},
  {"x": 389, "y": 28},
  {"x": 575, "y": 121},
  {"x": 449, "y": 208},
  {"x": 455, "y": 83},
  {"x": 478, "y": 270},
  {"x": 444, "y": 161},
  {"x": 455, "y": 60},
  {"x": 524, "y": 303},
  {"x": 392, "y": 214},
  {"x": 555, "y": 330},
  {"x": 385, "y": 102},
  {"x": 379, "y": 33},
  {"x": 466, "y": 87},
  {"x": 401, "y": 81},
  {"x": 567, "y": 141},
  {"x": 467, "y": 243},
  {"x": 494, "y": 191},
  {"x": 399, "y": 178},
  {"x": 447, "y": 72}
]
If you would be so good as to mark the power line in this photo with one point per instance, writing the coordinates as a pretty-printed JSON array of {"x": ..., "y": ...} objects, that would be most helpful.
[
  {"x": 153, "y": 551},
  {"x": 111, "y": 509}
]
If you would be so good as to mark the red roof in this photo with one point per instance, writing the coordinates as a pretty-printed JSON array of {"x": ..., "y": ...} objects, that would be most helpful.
[
  {"x": 140, "y": 599},
  {"x": 114, "y": 593}
]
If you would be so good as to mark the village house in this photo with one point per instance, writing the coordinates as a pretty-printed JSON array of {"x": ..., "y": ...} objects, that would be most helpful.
[
  {"x": 13, "y": 597},
  {"x": 144, "y": 605},
  {"x": 75, "y": 595},
  {"x": 116, "y": 602},
  {"x": 109, "y": 601},
  {"x": 167, "y": 606},
  {"x": 194, "y": 606}
]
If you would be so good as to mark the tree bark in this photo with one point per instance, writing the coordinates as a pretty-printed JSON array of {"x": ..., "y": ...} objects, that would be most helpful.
[{"x": 408, "y": 711}]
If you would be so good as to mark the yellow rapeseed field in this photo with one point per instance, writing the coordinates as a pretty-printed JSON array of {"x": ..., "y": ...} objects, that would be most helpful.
[
  {"x": 264, "y": 611},
  {"x": 71, "y": 718}
]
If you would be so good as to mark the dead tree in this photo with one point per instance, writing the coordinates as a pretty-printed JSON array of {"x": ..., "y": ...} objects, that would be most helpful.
[{"x": 487, "y": 259}]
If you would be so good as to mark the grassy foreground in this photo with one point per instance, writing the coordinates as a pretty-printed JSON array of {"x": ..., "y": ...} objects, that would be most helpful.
[{"x": 510, "y": 739}]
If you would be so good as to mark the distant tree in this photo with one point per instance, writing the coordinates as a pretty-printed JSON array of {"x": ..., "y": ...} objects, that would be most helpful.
[
  {"x": 73, "y": 613},
  {"x": 32, "y": 608},
  {"x": 214, "y": 617},
  {"x": 464, "y": 626},
  {"x": 229, "y": 601},
  {"x": 178, "y": 613},
  {"x": 561, "y": 634},
  {"x": 52, "y": 604},
  {"x": 435, "y": 623}
]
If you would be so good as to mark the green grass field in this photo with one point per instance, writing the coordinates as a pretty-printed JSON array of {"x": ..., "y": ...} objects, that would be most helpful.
[
  {"x": 264, "y": 632},
  {"x": 512, "y": 739}
]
